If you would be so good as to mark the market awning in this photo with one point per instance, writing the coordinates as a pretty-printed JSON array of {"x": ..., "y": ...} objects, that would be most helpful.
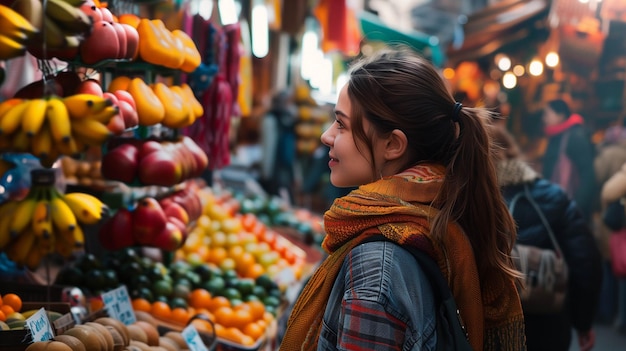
[
  {"x": 375, "y": 30},
  {"x": 507, "y": 22}
]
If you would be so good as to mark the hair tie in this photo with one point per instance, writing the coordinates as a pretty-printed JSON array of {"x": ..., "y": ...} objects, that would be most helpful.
[{"x": 455, "y": 112}]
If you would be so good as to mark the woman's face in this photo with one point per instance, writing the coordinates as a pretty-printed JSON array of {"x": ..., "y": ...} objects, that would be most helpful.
[
  {"x": 551, "y": 118},
  {"x": 348, "y": 166}
]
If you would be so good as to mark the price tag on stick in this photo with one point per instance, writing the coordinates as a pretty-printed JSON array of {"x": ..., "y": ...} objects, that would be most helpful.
[
  {"x": 118, "y": 305},
  {"x": 39, "y": 326},
  {"x": 193, "y": 339}
]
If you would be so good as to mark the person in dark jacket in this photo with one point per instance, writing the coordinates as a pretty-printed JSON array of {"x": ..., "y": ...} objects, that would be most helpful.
[
  {"x": 568, "y": 137},
  {"x": 552, "y": 331}
]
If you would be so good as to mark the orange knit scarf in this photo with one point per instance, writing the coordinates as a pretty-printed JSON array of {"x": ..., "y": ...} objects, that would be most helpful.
[{"x": 397, "y": 207}]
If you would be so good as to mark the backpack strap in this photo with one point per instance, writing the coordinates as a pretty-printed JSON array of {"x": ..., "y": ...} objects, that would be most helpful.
[
  {"x": 526, "y": 195},
  {"x": 451, "y": 332}
]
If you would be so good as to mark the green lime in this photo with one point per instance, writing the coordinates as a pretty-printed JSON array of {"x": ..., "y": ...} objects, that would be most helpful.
[
  {"x": 259, "y": 291},
  {"x": 110, "y": 278},
  {"x": 232, "y": 294},
  {"x": 251, "y": 297},
  {"x": 271, "y": 309},
  {"x": 203, "y": 271},
  {"x": 271, "y": 301},
  {"x": 229, "y": 274},
  {"x": 235, "y": 302},
  {"x": 181, "y": 291},
  {"x": 178, "y": 302},
  {"x": 215, "y": 284},
  {"x": 142, "y": 292},
  {"x": 95, "y": 279},
  {"x": 265, "y": 281},
  {"x": 245, "y": 286},
  {"x": 162, "y": 287}
]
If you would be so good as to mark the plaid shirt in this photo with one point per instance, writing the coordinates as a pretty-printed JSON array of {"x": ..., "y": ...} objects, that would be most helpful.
[{"x": 381, "y": 300}]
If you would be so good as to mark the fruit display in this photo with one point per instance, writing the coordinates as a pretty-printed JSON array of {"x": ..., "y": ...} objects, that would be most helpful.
[
  {"x": 82, "y": 172},
  {"x": 46, "y": 221},
  {"x": 150, "y": 162},
  {"x": 53, "y": 126},
  {"x": 311, "y": 121}
]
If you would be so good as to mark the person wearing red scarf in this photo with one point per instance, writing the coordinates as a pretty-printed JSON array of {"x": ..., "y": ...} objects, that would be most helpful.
[{"x": 568, "y": 160}]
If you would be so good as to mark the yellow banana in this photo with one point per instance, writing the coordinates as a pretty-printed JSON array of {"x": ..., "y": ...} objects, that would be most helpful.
[
  {"x": 41, "y": 223},
  {"x": 31, "y": 10},
  {"x": 59, "y": 120},
  {"x": 64, "y": 245},
  {"x": 35, "y": 255},
  {"x": 88, "y": 209},
  {"x": 62, "y": 216},
  {"x": 11, "y": 120},
  {"x": 6, "y": 217},
  {"x": 52, "y": 35},
  {"x": 12, "y": 22},
  {"x": 10, "y": 48},
  {"x": 69, "y": 148},
  {"x": 22, "y": 215},
  {"x": 20, "y": 142},
  {"x": 82, "y": 105},
  {"x": 45, "y": 244},
  {"x": 105, "y": 115},
  {"x": 75, "y": 239},
  {"x": 18, "y": 249},
  {"x": 42, "y": 144},
  {"x": 91, "y": 131},
  {"x": 34, "y": 116},
  {"x": 71, "y": 18}
]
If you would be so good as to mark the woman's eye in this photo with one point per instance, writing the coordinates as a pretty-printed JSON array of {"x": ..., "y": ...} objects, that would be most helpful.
[{"x": 339, "y": 124}]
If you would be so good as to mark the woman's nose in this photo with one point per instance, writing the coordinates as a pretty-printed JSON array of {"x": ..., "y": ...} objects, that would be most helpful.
[{"x": 326, "y": 137}]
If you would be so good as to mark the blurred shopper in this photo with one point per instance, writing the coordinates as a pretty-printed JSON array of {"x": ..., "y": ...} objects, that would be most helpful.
[
  {"x": 552, "y": 331},
  {"x": 426, "y": 184},
  {"x": 611, "y": 155},
  {"x": 278, "y": 144},
  {"x": 568, "y": 160},
  {"x": 613, "y": 196}
]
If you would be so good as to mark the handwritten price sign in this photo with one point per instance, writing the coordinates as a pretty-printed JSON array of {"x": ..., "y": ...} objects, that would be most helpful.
[
  {"x": 193, "y": 340},
  {"x": 118, "y": 305},
  {"x": 39, "y": 326}
]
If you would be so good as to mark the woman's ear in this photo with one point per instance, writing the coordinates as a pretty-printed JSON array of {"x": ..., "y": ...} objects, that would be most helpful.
[{"x": 395, "y": 145}]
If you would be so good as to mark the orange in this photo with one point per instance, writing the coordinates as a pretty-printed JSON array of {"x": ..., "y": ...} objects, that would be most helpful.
[
  {"x": 224, "y": 316},
  {"x": 161, "y": 310},
  {"x": 180, "y": 315},
  {"x": 199, "y": 298},
  {"x": 3, "y": 316},
  {"x": 257, "y": 309},
  {"x": 245, "y": 260},
  {"x": 241, "y": 317},
  {"x": 12, "y": 300},
  {"x": 202, "y": 325},
  {"x": 217, "y": 255},
  {"x": 237, "y": 336},
  {"x": 254, "y": 330},
  {"x": 254, "y": 271},
  {"x": 6, "y": 309},
  {"x": 216, "y": 302},
  {"x": 141, "y": 304}
]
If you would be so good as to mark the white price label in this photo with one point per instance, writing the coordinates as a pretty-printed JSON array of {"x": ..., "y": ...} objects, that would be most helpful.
[
  {"x": 193, "y": 340},
  {"x": 39, "y": 326},
  {"x": 118, "y": 305}
]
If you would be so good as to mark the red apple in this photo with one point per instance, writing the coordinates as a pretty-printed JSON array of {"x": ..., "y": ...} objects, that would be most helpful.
[
  {"x": 148, "y": 220},
  {"x": 89, "y": 86},
  {"x": 121, "y": 37},
  {"x": 129, "y": 114},
  {"x": 69, "y": 81},
  {"x": 159, "y": 168},
  {"x": 107, "y": 15},
  {"x": 169, "y": 238},
  {"x": 121, "y": 163},
  {"x": 148, "y": 147},
  {"x": 116, "y": 233},
  {"x": 173, "y": 209},
  {"x": 132, "y": 41},
  {"x": 124, "y": 95},
  {"x": 91, "y": 10},
  {"x": 202, "y": 160},
  {"x": 101, "y": 45},
  {"x": 37, "y": 89},
  {"x": 179, "y": 224}
]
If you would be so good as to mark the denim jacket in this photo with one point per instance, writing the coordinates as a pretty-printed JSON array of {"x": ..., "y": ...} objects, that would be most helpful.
[{"x": 381, "y": 300}]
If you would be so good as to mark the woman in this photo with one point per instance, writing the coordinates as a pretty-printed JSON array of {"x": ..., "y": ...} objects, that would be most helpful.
[
  {"x": 425, "y": 179},
  {"x": 568, "y": 160},
  {"x": 552, "y": 331}
]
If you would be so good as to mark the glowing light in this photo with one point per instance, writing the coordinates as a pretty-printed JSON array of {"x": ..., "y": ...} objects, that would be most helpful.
[
  {"x": 448, "y": 73},
  {"x": 552, "y": 59},
  {"x": 309, "y": 48},
  {"x": 228, "y": 11},
  {"x": 260, "y": 30},
  {"x": 509, "y": 80},
  {"x": 535, "y": 68},
  {"x": 504, "y": 62},
  {"x": 519, "y": 70}
]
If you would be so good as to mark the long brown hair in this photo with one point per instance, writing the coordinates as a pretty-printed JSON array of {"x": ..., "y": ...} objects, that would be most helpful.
[{"x": 397, "y": 89}]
